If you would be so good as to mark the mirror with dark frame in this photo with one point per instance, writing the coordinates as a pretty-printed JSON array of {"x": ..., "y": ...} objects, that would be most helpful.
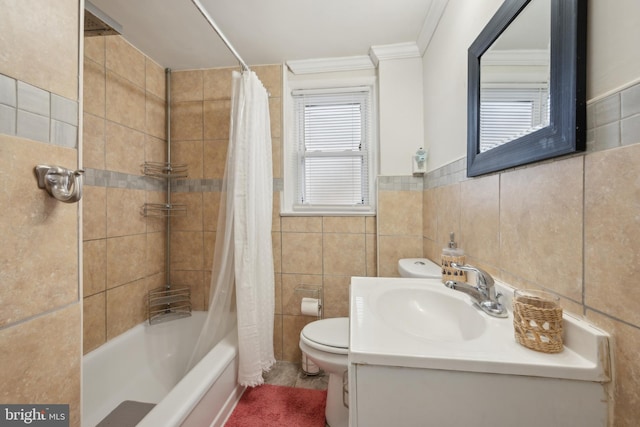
[{"x": 526, "y": 92}]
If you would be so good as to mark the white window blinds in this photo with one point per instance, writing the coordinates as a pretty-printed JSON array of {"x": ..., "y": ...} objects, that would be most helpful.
[
  {"x": 506, "y": 114},
  {"x": 332, "y": 132}
]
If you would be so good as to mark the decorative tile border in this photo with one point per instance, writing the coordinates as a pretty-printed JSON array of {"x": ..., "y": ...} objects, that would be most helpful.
[
  {"x": 614, "y": 121},
  {"x": 278, "y": 185},
  {"x": 111, "y": 179},
  {"x": 452, "y": 173},
  {"x": 104, "y": 178},
  {"x": 196, "y": 185},
  {"x": 400, "y": 183},
  {"x": 30, "y": 112}
]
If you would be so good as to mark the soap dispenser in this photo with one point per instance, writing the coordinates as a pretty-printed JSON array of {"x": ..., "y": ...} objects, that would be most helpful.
[
  {"x": 419, "y": 162},
  {"x": 452, "y": 254}
]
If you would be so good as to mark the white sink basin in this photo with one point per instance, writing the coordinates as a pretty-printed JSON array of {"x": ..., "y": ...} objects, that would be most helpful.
[
  {"x": 420, "y": 323},
  {"x": 429, "y": 313}
]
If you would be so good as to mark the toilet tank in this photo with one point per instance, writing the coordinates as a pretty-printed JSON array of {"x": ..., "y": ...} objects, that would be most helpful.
[{"x": 419, "y": 267}]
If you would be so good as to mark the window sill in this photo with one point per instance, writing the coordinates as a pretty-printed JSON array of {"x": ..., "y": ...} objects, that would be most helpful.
[{"x": 327, "y": 212}]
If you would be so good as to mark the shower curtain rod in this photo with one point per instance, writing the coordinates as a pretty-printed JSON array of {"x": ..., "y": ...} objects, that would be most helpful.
[{"x": 215, "y": 27}]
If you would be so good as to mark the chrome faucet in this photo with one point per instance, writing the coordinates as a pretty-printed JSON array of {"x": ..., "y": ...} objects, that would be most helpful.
[{"x": 483, "y": 293}]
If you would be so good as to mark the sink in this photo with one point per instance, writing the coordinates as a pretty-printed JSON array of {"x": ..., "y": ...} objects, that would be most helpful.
[
  {"x": 429, "y": 313},
  {"x": 420, "y": 323},
  {"x": 417, "y": 349}
]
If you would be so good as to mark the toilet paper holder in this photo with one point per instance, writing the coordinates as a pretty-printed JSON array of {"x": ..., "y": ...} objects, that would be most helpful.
[{"x": 311, "y": 291}]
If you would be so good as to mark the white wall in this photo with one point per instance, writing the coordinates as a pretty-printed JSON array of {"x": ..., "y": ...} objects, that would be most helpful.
[
  {"x": 401, "y": 129},
  {"x": 400, "y": 102},
  {"x": 613, "y": 33},
  {"x": 613, "y": 29},
  {"x": 438, "y": 120},
  {"x": 445, "y": 78}
]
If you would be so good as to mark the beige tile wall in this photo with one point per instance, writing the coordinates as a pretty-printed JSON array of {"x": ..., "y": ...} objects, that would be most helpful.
[
  {"x": 319, "y": 251},
  {"x": 124, "y": 126},
  {"x": 46, "y": 57},
  {"x": 201, "y": 101},
  {"x": 40, "y": 322},
  {"x": 399, "y": 232},
  {"x": 198, "y": 100},
  {"x": 570, "y": 226}
]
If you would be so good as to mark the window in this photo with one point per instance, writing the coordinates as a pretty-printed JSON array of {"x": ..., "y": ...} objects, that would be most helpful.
[{"x": 330, "y": 152}]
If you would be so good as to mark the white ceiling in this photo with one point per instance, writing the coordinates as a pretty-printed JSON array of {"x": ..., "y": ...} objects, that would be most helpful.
[{"x": 176, "y": 35}]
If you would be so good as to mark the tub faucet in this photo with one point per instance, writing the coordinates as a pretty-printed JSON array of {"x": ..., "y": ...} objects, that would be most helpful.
[{"x": 483, "y": 293}]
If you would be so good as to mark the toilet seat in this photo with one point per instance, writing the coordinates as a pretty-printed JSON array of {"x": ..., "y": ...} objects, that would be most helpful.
[{"x": 329, "y": 335}]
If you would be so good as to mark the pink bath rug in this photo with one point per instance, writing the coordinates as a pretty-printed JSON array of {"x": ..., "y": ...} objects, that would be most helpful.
[{"x": 278, "y": 406}]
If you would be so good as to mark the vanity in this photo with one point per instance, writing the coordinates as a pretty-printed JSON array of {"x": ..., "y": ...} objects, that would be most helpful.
[{"x": 421, "y": 354}]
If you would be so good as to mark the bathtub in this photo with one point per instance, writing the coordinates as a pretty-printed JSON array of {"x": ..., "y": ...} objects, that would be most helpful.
[{"x": 147, "y": 363}]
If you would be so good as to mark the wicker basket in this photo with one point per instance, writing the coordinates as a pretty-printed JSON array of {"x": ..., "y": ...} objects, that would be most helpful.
[
  {"x": 450, "y": 273},
  {"x": 537, "y": 321}
]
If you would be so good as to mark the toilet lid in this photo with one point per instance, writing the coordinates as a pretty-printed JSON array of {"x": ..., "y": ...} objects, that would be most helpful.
[{"x": 330, "y": 332}]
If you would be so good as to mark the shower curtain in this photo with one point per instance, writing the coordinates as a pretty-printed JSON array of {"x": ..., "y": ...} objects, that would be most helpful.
[{"x": 243, "y": 253}]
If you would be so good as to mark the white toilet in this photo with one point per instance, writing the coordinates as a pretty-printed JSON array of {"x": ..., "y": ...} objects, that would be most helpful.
[
  {"x": 419, "y": 267},
  {"x": 326, "y": 343}
]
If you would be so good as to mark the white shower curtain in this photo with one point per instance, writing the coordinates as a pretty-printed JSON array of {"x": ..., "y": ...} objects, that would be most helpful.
[{"x": 243, "y": 252}]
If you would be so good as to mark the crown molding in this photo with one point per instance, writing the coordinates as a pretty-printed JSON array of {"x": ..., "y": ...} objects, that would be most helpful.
[
  {"x": 393, "y": 51},
  {"x": 376, "y": 53},
  {"x": 430, "y": 24},
  {"x": 327, "y": 65}
]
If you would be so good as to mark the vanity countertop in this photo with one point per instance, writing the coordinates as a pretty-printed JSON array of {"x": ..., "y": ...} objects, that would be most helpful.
[{"x": 376, "y": 341}]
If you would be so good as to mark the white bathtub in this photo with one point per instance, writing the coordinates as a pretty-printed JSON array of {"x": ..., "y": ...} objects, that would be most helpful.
[{"x": 147, "y": 364}]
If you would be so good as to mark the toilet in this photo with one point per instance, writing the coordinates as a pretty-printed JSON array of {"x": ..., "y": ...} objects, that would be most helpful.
[
  {"x": 326, "y": 343},
  {"x": 419, "y": 267}
]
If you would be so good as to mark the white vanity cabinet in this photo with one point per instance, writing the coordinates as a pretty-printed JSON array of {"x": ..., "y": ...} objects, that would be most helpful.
[
  {"x": 417, "y": 377},
  {"x": 387, "y": 396}
]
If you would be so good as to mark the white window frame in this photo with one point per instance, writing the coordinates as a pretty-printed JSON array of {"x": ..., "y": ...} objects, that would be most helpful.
[{"x": 289, "y": 206}]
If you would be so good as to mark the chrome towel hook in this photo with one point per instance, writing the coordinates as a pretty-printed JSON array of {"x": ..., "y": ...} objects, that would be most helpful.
[{"x": 61, "y": 183}]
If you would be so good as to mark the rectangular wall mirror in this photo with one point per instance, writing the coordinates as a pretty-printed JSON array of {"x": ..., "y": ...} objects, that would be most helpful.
[{"x": 526, "y": 85}]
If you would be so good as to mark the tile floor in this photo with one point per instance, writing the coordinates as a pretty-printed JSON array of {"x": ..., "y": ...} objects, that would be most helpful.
[{"x": 289, "y": 374}]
